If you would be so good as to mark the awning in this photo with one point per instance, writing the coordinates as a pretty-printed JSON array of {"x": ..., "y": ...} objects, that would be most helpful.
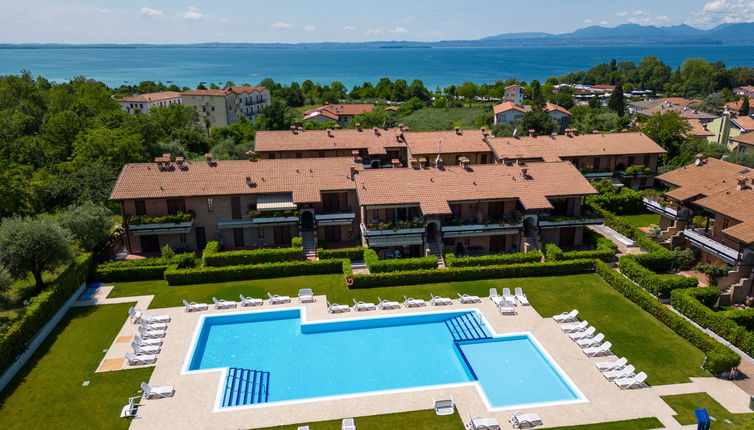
[
  {"x": 275, "y": 202},
  {"x": 234, "y": 224},
  {"x": 335, "y": 219},
  {"x": 477, "y": 233},
  {"x": 398, "y": 240},
  {"x": 152, "y": 229}
]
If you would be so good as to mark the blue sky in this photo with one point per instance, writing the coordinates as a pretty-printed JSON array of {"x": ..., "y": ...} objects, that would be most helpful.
[{"x": 173, "y": 21}]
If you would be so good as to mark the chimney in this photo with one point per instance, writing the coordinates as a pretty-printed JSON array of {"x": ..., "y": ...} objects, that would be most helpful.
[
  {"x": 532, "y": 132},
  {"x": 595, "y": 131},
  {"x": 355, "y": 154},
  {"x": 553, "y": 135},
  {"x": 406, "y": 128},
  {"x": 329, "y": 132},
  {"x": 338, "y": 126},
  {"x": 742, "y": 182},
  {"x": 569, "y": 132},
  {"x": 358, "y": 126},
  {"x": 521, "y": 161},
  {"x": 166, "y": 157},
  {"x": 251, "y": 155},
  {"x": 376, "y": 131},
  {"x": 353, "y": 173},
  {"x": 483, "y": 130},
  {"x": 395, "y": 162},
  {"x": 414, "y": 163},
  {"x": 525, "y": 173},
  {"x": 179, "y": 162},
  {"x": 458, "y": 130},
  {"x": 400, "y": 127},
  {"x": 423, "y": 162},
  {"x": 208, "y": 156},
  {"x": 464, "y": 162},
  {"x": 294, "y": 129}
]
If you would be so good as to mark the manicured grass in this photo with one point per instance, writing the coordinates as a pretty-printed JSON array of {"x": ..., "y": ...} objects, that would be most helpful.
[
  {"x": 417, "y": 420},
  {"x": 443, "y": 119},
  {"x": 633, "y": 332},
  {"x": 49, "y": 390},
  {"x": 637, "y": 424},
  {"x": 684, "y": 405},
  {"x": 642, "y": 220}
]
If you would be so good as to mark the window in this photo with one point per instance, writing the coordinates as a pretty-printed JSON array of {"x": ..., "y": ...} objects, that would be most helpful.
[
  {"x": 299, "y": 155},
  {"x": 630, "y": 161},
  {"x": 597, "y": 163},
  {"x": 210, "y": 205},
  {"x": 332, "y": 233},
  {"x": 331, "y": 202},
  {"x": 456, "y": 210},
  {"x": 141, "y": 207},
  {"x": 646, "y": 160},
  {"x": 272, "y": 156},
  {"x": 176, "y": 205},
  {"x": 726, "y": 223},
  {"x": 496, "y": 209},
  {"x": 484, "y": 159},
  {"x": 282, "y": 235},
  {"x": 182, "y": 237},
  {"x": 235, "y": 207},
  {"x": 238, "y": 237},
  {"x": 321, "y": 154}
]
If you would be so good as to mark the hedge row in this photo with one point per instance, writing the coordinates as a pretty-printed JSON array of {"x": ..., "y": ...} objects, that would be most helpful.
[
  {"x": 493, "y": 260},
  {"x": 375, "y": 265},
  {"x": 107, "y": 273},
  {"x": 661, "y": 287},
  {"x": 356, "y": 253},
  {"x": 214, "y": 258},
  {"x": 41, "y": 308},
  {"x": 687, "y": 302},
  {"x": 248, "y": 272},
  {"x": 742, "y": 317},
  {"x": 719, "y": 357},
  {"x": 473, "y": 273},
  {"x": 604, "y": 250}
]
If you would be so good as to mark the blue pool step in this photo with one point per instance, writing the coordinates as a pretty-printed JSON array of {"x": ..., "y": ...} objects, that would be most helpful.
[
  {"x": 246, "y": 387},
  {"x": 467, "y": 327}
]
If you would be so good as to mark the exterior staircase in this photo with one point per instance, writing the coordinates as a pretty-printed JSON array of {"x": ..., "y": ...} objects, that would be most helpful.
[
  {"x": 246, "y": 387},
  {"x": 310, "y": 245},
  {"x": 736, "y": 285},
  {"x": 436, "y": 250},
  {"x": 467, "y": 327}
]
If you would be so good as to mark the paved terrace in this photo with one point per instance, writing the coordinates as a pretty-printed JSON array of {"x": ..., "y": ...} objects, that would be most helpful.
[{"x": 196, "y": 394}]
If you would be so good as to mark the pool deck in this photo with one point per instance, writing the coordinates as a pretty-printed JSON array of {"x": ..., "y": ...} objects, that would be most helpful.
[{"x": 195, "y": 397}]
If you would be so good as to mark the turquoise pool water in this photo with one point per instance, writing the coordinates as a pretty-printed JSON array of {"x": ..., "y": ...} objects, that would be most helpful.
[{"x": 273, "y": 357}]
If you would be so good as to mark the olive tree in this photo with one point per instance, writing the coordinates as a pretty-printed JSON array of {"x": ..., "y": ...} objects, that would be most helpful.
[{"x": 89, "y": 223}]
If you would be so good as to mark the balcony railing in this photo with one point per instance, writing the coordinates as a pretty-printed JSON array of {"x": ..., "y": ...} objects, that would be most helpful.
[
  {"x": 720, "y": 247},
  {"x": 454, "y": 228},
  {"x": 341, "y": 218},
  {"x": 586, "y": 217},
  {"x": 656, "y": 207}
]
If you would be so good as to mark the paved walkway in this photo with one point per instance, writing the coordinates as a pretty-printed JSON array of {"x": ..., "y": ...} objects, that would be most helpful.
[{"x": 625, "y": 245}]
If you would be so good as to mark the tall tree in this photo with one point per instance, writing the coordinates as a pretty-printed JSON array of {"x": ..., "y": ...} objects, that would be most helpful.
[
  {"x": 744, "y": 110},
  {"x": 668, "y": 129},
  {"x": 89, "y": 223},
  {"x": 616, "y": 101}
]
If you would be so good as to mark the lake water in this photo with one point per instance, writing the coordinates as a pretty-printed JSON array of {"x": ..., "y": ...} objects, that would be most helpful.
[{"x": 435, "y": 66}]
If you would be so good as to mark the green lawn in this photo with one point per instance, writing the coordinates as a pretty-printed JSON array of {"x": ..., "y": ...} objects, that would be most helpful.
[
  {"x": 444, "y": 119},
  {"x": 633, "y": 332},
  {"x": 684, "y": 405},
  {"x": 641, "y": 220},
  {"x": 637, "y": 424},
  {"x": 417, "y": 420},
  {"x": 49, "y": 390}
]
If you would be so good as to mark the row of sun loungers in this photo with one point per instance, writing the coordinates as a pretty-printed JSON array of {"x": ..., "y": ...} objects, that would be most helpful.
[
  {"x": 148, "y": 343},
  {"x": 518, "y": 420},
  {"x": 305, "y": 295},
  {"x": 148, "y": 392},
  {"x": 408, "y": 302},
  {"x": 507, "y": 302},
  {"x": 622, "y": 373}
]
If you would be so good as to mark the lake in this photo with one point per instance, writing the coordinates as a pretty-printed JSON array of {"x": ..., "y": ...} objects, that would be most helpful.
[{"x": 435, "y": 66}]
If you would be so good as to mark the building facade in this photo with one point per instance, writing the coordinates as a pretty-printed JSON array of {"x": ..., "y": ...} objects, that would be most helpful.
[
  {"x": 221, "y": 107},
  {"x": 143, "y": 103}
]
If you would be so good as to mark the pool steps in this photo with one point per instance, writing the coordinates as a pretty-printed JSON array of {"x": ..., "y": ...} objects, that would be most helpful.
[
  {"x": 246, "y": 387},
  {"x": 467, "y": 327}
]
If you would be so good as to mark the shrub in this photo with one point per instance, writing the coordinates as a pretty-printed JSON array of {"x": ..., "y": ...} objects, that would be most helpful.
[
  {"x": 247, "y": 272},
  {"x": 617, "y": 199},
  {"x": 684, "y": 259},
  {"x": 713, "y": 271},
  {"x": 184, "y": 261},
  {"x": 167, "y": 252},
  {"x": 742, "y": 317},
  {"x": 213, "y": 258},
  {"x": 297, "y": 242},
  {"x": 604, "y": 250},
  {"x": 493, "y": 260},
  {"x": 375, "y": 265},
  {"x": 165, "y": 219},
  {"x": 630, "y": 266},
  {"x": 473, "y": 273},
  {"x": 553, "y": 252},
  {"x": 122, "y": 273},
  {"x": 349, "y": 253}
]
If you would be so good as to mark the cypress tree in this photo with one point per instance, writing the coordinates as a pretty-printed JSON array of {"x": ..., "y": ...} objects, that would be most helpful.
[{"x": 616, "y": 102}]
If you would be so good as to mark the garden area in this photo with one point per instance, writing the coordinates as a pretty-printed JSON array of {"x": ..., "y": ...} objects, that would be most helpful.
[{"x": 641, "y": 220}]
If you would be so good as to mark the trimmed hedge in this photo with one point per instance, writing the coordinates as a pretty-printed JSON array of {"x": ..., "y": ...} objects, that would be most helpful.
[
  {"x": 742, "y": 317},
  {"x": 356, "y": 253},
  {"x": 687, "y": 302},
  {"x": 719, "y": 357},
  {"x": 41, "y": 308},
  {"x": 493, "y": 260},
  {"x": 375, "y": 265},
  {"x": 107, "y": 273},
  {"x": 247, "y": 272},
  {"x": 630, "y": 266},
  {"x": 473, "y": 273},
  {"x": 214, "y": 258},
  {"x": 605, "y": 250}
]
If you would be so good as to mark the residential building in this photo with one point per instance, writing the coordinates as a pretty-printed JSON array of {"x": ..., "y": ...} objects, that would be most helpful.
[
  {"x": 726, "y": 127},
  {"x": 221, "y": 107},
  {"x": 343, "y": 114},
  {"x": 514, "y": 94},
  {"x": 142, "y": 103},
  {"x": 448, "y": 147},
  {"x": 649, "y": 107},
  {"x": 742, "y": 143},
  {"x": 747, "y": 90},
  {"x": 710, "y": 208},
  {"x": 511, "y": 112},
  {"x": 698, "y": 129}
]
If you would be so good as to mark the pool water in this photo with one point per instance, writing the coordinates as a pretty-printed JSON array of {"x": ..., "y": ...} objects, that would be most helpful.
[{"x": 313, "y": 360}]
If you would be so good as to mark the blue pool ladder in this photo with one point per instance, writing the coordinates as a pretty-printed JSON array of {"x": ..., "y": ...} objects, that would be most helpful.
[
  {"x": 246, "y": 387},
  {"x": 467, "y": 327}
]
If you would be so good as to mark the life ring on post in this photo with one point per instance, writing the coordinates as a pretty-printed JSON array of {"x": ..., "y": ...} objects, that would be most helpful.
[{"x": 349, "y": 281}]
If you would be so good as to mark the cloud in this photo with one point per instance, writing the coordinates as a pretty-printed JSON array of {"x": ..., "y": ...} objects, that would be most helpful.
[
  {"x": 723, "y": 11},
  {"x": 148, "y": 11},
  {"x": 309, "y": 27},
  {"x": 282, "y": 25},
  {"x": 650, "y": 20},
  {"x": 604, "y": 23},
  {"x": 374, "y": 31},
  {"x": 588, "y": 21},
  {"x": 400, "y": 30},
  {"x": 191, "y": 13},
  {"x": 349, "y": 28}
]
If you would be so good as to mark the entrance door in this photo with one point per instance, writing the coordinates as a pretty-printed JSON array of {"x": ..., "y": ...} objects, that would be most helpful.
[
  {"x": 497, "y": 243},
  {"x": 307, "y": 220},
  {"x": 567, "y": 236},
  {"x": 150, "y": 243},
  {"x": 201, "y": 238}
]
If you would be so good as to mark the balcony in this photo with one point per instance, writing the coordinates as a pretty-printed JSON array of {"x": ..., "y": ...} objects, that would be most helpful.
[
  {"x": 391, "y": 234},
  {"x": 143, "y": 225},
  {"x": 636, "y": 171},
  {"x": 659, "y": 208},
  {"x": 596, "y": 176},
  {"x": 720, "y": 247},
  {"x": 457, "y": 228},
  {"x": 586, "y": 217},
  {"x": 341, "y": 218}
]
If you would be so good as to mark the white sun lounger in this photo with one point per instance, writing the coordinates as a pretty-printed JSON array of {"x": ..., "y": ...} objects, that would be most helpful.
[
  {"x": 444, "y": 406},
  {"x": 223, "y": 304},
  {"x": 145, "y": 349},
  {"x": 604, "y": 366},
  {"x": 507, "y": 307},
  {"x": 303, "y": 428},
  {"x": 250, "y": 301},
  {"x": 597, "y": 351},
  {"x": 521, "y": 297},
  {"x": 363, "y": 306},
  {"x": 411, "y": 302},
  {"x": 137, "y": 315},
  {"x": 566, "y": 316},
  {"x": 626, "y": 372},
  {"x": 440, "y": 301},
  {"x": 306, "y": 295},
  {"x": 466, "y": 299},
  {"x": 586, "y": 334},
  {"x": 507, "y": 295},
  {"x": 348, "y": 424},
  {"x": 276, "y": 300},
  {"x": 576, "y": 327},
  {"x": 193, "y": 306},
  {"x": 154, "y": 341},
  {"x": 129, "y": 410},
  {"x": 525, "y": 421},
  {"x": 494, "y": 297},
  {"x": 634, "y": 382},
  {"x": 134, "y": 360},
  {"x": 483, "y": 423},
  {"x": 153, "y": 326},
  {"x": 158, "y": 391},
  {"x": 387, "y": 304},
  {"x": 335, "y": 308},
  {"x": 589, "y": 343},
  {"x": 151, "y": 334}
]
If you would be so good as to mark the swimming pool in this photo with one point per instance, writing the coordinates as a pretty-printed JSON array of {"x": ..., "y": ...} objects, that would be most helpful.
[{"x": 275, "y": 356}]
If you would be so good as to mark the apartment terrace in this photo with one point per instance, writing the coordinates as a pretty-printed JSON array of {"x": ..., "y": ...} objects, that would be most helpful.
[{"x": 661, "y": 207}]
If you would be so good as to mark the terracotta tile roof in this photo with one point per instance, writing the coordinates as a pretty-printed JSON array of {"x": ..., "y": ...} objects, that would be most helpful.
[
  {"x": 434, "y": 188},
  {"x": 445, "y": 142},
  {"x": 152, "y": 97},
  {"x": 549, "y": 107},
  {"x": 736, "y": 204},
  {"x": 348, "y": 109},
  {"x": 698, "y": 129},
  {"x": 556, "y": 147},
  {"x": 680, "y": 101},
  {"x": 736, "y": 105},
  {"x": 683, "y": 112},
  {"x": 747, "y": 138},
  {"x": 604, "y": 87},
  {"x": 246, "y": 89},
  {"x": 323, "y": 112},
  {"x": 303, "y": 178},
  {"x": 220, "y": 92},
  {"x": 374, "y": 142},
  {"x": 505, "y": 107},
  {"x": 745, "y": 122},
  {"x": 711, "y": 177}
]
